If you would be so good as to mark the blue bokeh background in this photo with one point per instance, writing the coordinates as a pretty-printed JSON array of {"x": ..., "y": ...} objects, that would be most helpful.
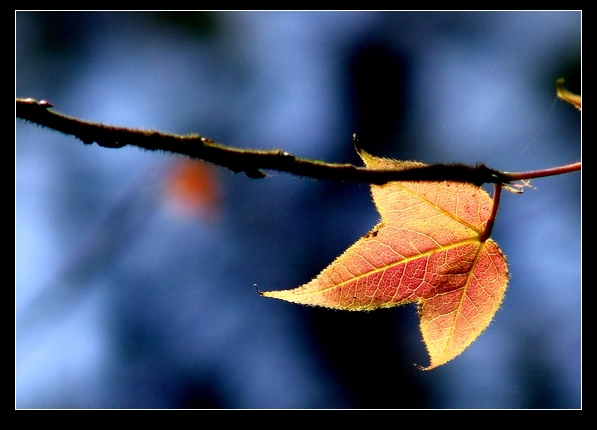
[{"x": 123, "y": 303}]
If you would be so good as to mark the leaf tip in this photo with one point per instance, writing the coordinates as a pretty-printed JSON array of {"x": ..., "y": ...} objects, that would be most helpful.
[
  {"x": 257, "y": 290},
  {"x": 424, "y": 369},
  {"x": 286, "y": 295},
  {"x": 567, "y": 96}
]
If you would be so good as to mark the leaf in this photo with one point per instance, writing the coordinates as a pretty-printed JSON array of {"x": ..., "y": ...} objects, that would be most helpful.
[
  {"x": 430, "y": 248},
  {"x": 567, "y": 96}
]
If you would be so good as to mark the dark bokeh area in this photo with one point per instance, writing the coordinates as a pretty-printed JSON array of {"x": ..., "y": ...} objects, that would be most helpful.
[{"x": 135, "y": 271}]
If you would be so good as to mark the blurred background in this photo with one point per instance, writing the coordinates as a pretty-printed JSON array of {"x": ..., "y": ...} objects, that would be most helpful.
[{"x": 135, "y": 270}]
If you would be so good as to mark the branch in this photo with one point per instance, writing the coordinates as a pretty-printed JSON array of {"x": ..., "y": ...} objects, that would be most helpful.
[
  {"x": 252, "y": 162},
  {"x": 531, "y": 174}
]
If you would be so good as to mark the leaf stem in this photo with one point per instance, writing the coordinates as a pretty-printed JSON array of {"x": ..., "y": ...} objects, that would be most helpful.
[{"x": 497, "y": 193}]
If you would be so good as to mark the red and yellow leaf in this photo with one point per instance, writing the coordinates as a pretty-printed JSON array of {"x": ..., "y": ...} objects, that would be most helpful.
[{"x": 430, "y": 248}]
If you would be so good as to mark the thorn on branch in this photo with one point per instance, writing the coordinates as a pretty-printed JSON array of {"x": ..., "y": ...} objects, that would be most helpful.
[
  {"x": 109, "y": 144},
  {"x": 255, "y": 173},
  {"x": 32, "y": 102},
  {"x": 286, "y": 155}
]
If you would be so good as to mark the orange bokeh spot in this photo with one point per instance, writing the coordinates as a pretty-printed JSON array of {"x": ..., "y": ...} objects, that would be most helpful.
[{"x": 193, "y": 188}]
